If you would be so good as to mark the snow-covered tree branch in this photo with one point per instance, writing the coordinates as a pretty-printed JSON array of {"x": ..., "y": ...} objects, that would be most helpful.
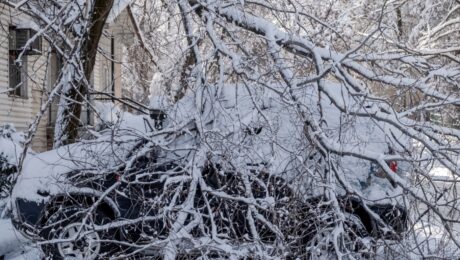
[{"x": 294, "y": 129}]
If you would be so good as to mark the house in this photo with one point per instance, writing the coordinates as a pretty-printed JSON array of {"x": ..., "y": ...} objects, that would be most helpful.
[{"x": 23, "y": 88}]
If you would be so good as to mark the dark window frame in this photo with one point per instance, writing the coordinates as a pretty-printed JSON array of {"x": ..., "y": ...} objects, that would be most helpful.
[
  {"x": 19, "y": 40},
  {"x": 17, "y": 71},
  {"x": 17, "y": 75}
]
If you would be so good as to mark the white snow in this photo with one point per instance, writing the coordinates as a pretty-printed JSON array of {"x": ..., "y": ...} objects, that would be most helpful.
[
  {"x": 25, "y": 253},
  {"x": 10, "y": 151},
  {"x": 12, "y": 242},
  {"x": 10, "y": 144},
  {"x": 27, "y": 24},
  {"x": 109, "y": 113},
  {"x": 237, "y": 107},
  {"x": 441, "y": 172},
  {"x": 46, "y": 171}
]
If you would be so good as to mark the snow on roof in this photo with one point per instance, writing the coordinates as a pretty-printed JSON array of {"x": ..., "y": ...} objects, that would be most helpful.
[{"x": 118, "y": 7}]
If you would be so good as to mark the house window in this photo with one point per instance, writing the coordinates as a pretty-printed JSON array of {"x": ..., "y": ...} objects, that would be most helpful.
[
  {"x": 22, "y": 42},
  {"x": 18, "y": 74},
  {"x": 17, "y": 69},
  {"x": 26, "y": 40}
]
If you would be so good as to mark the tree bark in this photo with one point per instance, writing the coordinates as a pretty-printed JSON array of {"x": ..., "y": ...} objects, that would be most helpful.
[{"x": 66, "y": 129}]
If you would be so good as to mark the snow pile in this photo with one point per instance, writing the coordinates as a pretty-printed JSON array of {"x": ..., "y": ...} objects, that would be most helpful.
[
  {"x": 10, "y": 239},
  {"x": 110, "y": 115},
  {"x": 48, "y": 171},
  {"x": 107, "y": 112}
]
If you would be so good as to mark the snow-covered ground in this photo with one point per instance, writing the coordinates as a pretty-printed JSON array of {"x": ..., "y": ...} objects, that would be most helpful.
[{"x": 13, "y": 246}]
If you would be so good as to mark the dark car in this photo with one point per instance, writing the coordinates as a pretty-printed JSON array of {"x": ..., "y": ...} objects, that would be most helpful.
[
  {"x": 162, "y": 193},
  {"x": 104, "y": 213}
]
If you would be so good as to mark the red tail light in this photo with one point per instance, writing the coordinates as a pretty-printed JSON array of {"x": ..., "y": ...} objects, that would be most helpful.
[{"x": 394, "y": 166}]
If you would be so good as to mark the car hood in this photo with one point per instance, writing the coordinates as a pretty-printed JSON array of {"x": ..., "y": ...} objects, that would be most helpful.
[{"x": 47, "y": 172}]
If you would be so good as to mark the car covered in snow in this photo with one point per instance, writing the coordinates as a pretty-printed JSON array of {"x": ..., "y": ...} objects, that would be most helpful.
[{"x": 128, "y": 189}]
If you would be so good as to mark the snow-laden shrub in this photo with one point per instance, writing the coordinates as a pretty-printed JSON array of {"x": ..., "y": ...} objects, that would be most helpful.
[{"x": 10, "y": 149}]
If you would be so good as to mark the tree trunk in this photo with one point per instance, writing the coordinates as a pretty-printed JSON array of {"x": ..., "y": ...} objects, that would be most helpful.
[{"x": 70, "y": 106}]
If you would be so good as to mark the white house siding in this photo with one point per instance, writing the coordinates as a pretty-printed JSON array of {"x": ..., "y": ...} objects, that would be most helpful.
[
  {"x": 102, "y": 73},
  {"x": 117, "y": 72},
  {"x": 101, "y": 77},
  {"x": 102, "y": 70},
  {"x": 22, "y": 111},
  {"x": 16, "y": 110},
  {"x": 122, "y": 29}
]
